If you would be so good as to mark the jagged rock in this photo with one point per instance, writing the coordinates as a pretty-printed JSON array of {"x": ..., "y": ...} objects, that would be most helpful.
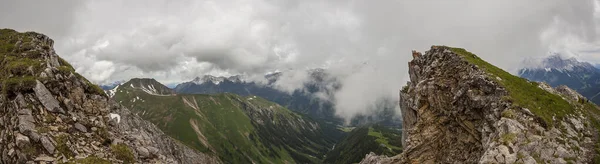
[
  {"x": 455, "y": 110},
  {"x": 46, "y": 98},
  {"x": 48, "y": 145},
  {"x": 80, "y": 127}
]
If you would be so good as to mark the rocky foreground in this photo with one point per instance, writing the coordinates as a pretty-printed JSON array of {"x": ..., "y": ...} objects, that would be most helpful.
[
  {"x": 49, "y": 113},
  {"x": 458, "y": 108}
]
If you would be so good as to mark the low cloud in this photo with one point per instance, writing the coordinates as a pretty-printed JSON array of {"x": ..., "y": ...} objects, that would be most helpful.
[{"x": 365, "y": 44}]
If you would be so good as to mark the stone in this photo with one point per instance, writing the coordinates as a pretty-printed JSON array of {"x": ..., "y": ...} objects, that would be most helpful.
[
  {"x": 116, "y": 141},
  {"x": 26, "y": 124},
  {"x": 46, "y": 98},
  {"x": 22, "y": 140},
  {"x": 153, "y": 150},
  {"x": 80, "y": 127},
  {"x": 529, "y": 160},
  {"x": 69, "y": 104},
  {"x": 143, "y": 152},
  {"x": 48, "y": 145},
  {"x": 24, "y": 111},
  {"x": 563, "y": 153},
  {"x": 44, "y": 158}
]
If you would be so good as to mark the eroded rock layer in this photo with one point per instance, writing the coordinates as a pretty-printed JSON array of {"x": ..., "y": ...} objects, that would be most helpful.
[{"x": 457, "y": 108}]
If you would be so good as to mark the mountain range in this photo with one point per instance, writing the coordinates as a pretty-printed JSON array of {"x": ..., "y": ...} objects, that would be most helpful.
[
  {"x": 305, "y": 100},
  {"x": 238, "y": 129},
  {"x": 456, "y": 108},
  {"x": 557, "y": 70}
]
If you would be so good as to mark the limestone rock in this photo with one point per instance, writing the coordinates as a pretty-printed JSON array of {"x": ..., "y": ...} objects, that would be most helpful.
[
  {"x": 455, "y": 111},
  {"x": 48, "y": 145},
  {"x": 80, "y": 127},
  {"x": 46, "y": 98}
]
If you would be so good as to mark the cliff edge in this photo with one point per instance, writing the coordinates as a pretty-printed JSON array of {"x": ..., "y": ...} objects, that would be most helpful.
[{"x": 457, "y": 108}]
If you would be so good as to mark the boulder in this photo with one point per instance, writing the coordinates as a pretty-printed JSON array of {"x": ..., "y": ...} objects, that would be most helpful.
[
  {"x": 80, "y": 127},
  {"x": 22, "y": 140},
  {"x": 46, "y": 98},
  {"x": 48, "y": 145}
]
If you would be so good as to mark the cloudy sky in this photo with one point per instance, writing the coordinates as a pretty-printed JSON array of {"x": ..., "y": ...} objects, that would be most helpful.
[{"x": 366, "y": 43}]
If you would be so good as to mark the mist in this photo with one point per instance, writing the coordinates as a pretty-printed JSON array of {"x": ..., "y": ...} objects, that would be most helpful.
[{"x": 365, "y": 44}]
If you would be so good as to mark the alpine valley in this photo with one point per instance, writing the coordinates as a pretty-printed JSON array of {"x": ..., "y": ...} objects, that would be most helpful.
[{"x": 455, "y": 108}]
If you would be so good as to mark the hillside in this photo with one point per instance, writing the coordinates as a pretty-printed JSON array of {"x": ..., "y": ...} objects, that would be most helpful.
[
  {"x": 363, "y": 140},
  {"x": 302, "y": 101},
  {"x": 238, "y": 129},
  {"x": 51, "y": 114},
  {"x": 459, "y": 108},
  {"x": 306, "y": 100}
]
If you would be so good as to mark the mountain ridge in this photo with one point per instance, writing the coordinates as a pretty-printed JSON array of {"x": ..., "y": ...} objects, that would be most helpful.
[
  {"x": 239, "y": 129},
  {"x": 556, "y": 71},
  {"x": 50, "y": 113},
  {"x": 493, "y": 116}
]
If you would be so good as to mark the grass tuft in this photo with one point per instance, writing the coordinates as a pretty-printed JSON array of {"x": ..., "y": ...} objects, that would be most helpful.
[
  {"x": 523, "y": 92},
  {"x": 123, "y": 152}
]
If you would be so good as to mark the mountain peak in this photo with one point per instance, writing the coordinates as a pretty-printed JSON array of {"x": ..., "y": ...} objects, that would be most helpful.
[
  {"x": 556, "y": 62},
  {"x": 453, "y": 95},
  {"x": 148, "y": 85}
]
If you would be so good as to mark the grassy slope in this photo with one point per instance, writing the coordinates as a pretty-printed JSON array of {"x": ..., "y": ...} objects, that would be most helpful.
[
  {"x": 227, "y": 127},
  {"x": 523, "y": 92},
  {"x": 21, "y": 63},
  {"x": 528, "y": 95},
  {"x": 362, "y": 141}
]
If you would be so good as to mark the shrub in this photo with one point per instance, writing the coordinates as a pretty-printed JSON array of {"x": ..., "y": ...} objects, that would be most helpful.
[
  {"x": 508, "y": 114},
  {"x": 508, "y": 138},
  {"x": 61, "y": 146},
  {"x": 122, "y": 152},
  {"x": 18, "y": 84}
]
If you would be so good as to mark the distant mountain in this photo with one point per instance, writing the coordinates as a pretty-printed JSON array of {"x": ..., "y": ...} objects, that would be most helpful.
[
  {"x": 364, "y": 140},
  {"x": 111, "y": 85},
  {"x": 304, "y": 101},
  {"x": 238, "y": 129},
  {"x": 556, "y": 70}
]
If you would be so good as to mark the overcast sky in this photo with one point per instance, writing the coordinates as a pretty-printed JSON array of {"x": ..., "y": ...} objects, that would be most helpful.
[{"x": 366, "y": 43}]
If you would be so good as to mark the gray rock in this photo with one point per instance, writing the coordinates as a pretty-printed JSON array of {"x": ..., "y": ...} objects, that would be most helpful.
[
  {"x": 22, "y": 140},
  {"x": 143, "y": 152},
  {"x": 529, "y": 160},
  {"x": 26, "y": 124},
  {"x": 24, "y": 111},
  {"x": 48, "y": 145},
  {"x": 80, "y": 127},
  {"x": 46, "y": 98},
  {"x": 44, "y": 159},
  {"x": 153, "y": 150}
]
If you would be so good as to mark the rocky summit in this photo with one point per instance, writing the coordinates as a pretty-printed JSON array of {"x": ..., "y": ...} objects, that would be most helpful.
[
  {"x": 51, "y": 114},
  {"x": 457, "y": 108}
]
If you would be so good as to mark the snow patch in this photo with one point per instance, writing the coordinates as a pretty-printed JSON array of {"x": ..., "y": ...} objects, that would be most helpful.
[{"x": 111, "y": 93}]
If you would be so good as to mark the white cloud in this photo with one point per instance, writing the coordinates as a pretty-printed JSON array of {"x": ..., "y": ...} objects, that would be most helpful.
[{"x": 365, "y": 43}]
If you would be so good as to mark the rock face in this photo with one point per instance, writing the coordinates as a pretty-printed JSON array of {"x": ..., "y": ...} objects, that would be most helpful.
[
  {"x": 50, "y": 113},
  {"x": 459, "y": 109}
]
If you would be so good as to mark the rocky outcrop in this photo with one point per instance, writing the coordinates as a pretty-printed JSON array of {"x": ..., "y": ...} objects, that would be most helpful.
[
  {"x": 458, "y": 109},
  {"x": 49, "y": 113}
]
